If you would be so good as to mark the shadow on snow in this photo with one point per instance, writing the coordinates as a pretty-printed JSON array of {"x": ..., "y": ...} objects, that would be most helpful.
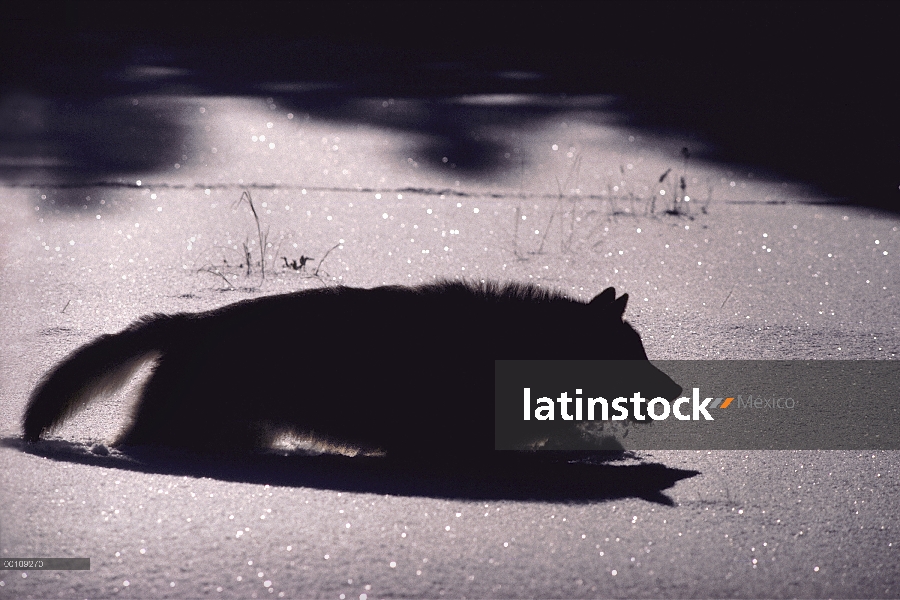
[{"x": 578, "y": 477}]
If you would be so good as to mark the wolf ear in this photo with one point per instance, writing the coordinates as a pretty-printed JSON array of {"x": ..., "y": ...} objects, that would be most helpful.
[
  {"x": 603, "y": 298},
  {"x": 618, "y": 307}
]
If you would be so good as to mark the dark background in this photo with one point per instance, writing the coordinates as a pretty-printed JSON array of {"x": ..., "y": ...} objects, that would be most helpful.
[{"x": 799, "y": 90}]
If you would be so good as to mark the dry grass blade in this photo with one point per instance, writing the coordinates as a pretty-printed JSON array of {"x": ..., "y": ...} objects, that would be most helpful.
[{"x": 262, "y": 239}]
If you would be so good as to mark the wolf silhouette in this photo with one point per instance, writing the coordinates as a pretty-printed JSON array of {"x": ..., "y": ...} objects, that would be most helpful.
[{"x": 405, "y": 370}]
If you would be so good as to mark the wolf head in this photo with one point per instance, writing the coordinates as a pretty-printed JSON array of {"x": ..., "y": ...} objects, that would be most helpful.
[{"x": 624, "y": 342}]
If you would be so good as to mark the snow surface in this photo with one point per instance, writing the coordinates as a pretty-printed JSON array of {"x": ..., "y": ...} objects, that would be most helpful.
[{"x": 754, "y": 270}]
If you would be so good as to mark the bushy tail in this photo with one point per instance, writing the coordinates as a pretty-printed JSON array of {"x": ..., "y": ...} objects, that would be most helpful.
[{"x": 97, "y": 368}]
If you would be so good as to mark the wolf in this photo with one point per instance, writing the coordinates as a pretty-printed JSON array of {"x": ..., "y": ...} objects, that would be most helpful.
[{"x": 407, "y": 371}]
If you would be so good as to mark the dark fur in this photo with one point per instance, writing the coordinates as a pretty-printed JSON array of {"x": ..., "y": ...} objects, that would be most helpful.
[{"x": 405, "y": 370}]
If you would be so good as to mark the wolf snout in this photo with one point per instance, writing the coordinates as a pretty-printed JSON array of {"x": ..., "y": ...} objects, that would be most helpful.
[
  {"x": 664, "y": 386},
  {"x": 673, "y": 392}
]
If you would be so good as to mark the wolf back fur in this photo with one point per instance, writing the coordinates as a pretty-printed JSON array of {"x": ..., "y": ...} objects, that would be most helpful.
[{"x": 407, "y": 370}]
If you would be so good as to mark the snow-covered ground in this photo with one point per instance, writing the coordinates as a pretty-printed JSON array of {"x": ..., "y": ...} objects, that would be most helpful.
[{"x": 754, "y": 268}]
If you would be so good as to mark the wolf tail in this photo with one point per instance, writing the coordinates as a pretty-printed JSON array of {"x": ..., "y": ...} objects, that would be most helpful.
[{"x": 100, "y": 367}]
